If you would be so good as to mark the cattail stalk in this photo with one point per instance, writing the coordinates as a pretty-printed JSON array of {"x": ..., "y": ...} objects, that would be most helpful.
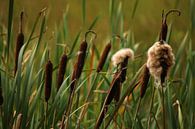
[
  {"x": 99, "y": 68},
  {"x": 128, "y": 91},
  {"x": 48, "y": 79},
  {"x": 78, "y": 67},
  {"x": 62, "y": 70},
  {"x": 110, "y": 96},
  {"x": 19, "y": 43},
  {"x": 120, "y": 58},
  {"x": 151, "y": 107}
]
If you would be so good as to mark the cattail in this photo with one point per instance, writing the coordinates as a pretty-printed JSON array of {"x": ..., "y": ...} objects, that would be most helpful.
[
  {"x": 103, "y": 57},
  {"x": 121, "y": 58},
  {"x": 145, "y": 77},
  {"x": 116, "y": 88},
  {"x": 78, "y": 67},
  {"x": 164, "y": 27},
  {"x": 112, "y": 94},
  {"x": 120, "y": 55},
  {"x": 61, "y": 71},
  {"x": 124, "y": 69},
  {"x": 48, "y": 79},
  {"x": 160, "y": 59},
  {"x": 19, "y": 43}
]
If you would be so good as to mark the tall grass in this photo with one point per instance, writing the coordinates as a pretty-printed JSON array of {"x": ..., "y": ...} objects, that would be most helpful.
[{"x": 22, "y": 98}]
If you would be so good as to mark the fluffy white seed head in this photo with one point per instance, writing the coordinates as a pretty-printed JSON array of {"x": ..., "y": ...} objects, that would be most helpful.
[
  {"x": 120, "y": 55},
  {"x": 158, "y": 53}
]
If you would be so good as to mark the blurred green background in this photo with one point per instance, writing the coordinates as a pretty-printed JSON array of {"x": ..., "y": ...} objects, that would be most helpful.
[{"x": 145, "y": 23}]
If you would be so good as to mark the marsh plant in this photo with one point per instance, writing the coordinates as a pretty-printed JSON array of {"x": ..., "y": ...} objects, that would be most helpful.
[{"x": 73, "y": 83}]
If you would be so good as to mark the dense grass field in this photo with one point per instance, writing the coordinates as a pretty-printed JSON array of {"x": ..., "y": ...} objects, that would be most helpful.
[{"x": 57, "y": 68}]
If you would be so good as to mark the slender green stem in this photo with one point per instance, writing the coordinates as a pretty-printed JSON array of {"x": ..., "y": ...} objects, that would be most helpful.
[
  {"x": 163, "y": 106},
  {"x": 155, "y": 120},
  {"x": 151, "y": 107},
  {"x": 46, "y": 110},
  {"x": 69, "y": 107},
  {"x": 138, "y": 106},
  {"x": 53, "y": 122}
]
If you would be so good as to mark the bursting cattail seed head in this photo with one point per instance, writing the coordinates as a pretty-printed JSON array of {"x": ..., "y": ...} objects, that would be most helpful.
[
  {"x": 120, "y": 55},
  {"x": 48, "y": 79},
  {"x": 103, "y": 57},
  {"x": 160, "y": 59},
  {"x": 19, "y": 43},
  {"x": 61, "y": 71}
]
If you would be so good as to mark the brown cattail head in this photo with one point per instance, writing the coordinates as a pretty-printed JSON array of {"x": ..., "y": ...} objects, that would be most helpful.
[
  {"x": 145, "y": 77},
  {"x": 123, "y": 67},
  {"x": 48, "y": 79},
  {"x": 62, "y": 69},
  {"x": 19, "y": 43},
  {"x": 114, "y": 87},
  {"x": 103, "y": 57},
  {"x": 164, "y": 27},
  {"x": 81, "y": 59},
  {"x": 160, "y": 59},
  {"x": 78, "y": 67}
]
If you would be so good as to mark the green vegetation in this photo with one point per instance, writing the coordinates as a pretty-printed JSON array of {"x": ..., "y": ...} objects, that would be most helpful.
[{"x": 89, "y": 84}]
